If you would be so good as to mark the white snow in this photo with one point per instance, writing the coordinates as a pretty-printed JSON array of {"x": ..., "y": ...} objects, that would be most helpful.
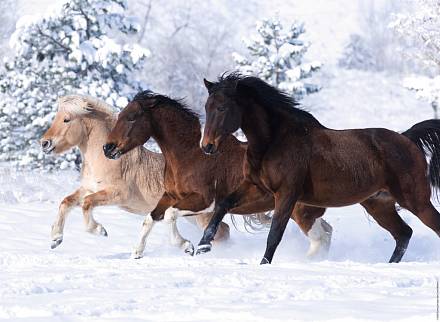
[{"x": 90, "y": 278}]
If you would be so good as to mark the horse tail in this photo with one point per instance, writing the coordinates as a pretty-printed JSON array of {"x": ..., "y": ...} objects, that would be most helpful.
[
  {"x": 426, "y": 135},
  {"x": 254, "y": 223}
]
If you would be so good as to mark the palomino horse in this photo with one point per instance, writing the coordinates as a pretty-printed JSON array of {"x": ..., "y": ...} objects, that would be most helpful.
[
  {"x": 296, "y": 159},
  {"x": 134, "y": 183}
]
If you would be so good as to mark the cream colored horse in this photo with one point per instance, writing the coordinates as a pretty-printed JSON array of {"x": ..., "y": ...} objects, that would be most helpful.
[{"x": 134, "y": 182}]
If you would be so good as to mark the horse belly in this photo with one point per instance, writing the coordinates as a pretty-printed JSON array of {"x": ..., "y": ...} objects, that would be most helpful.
[{"x": 337, "y": 184}]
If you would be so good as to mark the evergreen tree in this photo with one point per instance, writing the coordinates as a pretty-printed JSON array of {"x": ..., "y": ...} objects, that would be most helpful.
[
  {"x": 71, "y": 50},
  {"x": 357, "y": 54},
  {"x": 276, "y": 54}
]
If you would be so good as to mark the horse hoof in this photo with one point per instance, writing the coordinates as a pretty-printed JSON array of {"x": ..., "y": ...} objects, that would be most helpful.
[
  {"x": 137, "y": 255},
  {"x": 201, "y": 249},
  {"x": 264, "y": 261},
  {"x": 56, "y": 243},
  {"x": 103, "y": 232},
  {"x": 189, "y": 249},
  {"x": 397, "y": 255}
]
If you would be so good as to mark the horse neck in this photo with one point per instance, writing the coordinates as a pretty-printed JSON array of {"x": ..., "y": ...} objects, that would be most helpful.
[
  {"x": 176, "y": 134},
  {"x": 256, "y": 127},
  {"x": 96, "y": 132}
]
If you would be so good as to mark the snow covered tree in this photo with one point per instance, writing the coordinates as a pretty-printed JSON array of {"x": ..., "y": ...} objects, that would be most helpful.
[
  {"x": 357, "y": 54},
  {"x": 419, "y": 25},
  {"x": 8, "y": 11},
  {"x": 276, "y": 55},
  {"x": 74, "y": 49},
  {"x": 426, "y": 88},
  {"x": 373, "y": 47}
]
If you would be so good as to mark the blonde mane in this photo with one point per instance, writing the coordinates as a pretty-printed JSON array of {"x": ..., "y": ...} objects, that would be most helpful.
[{"x": 79, "y": 105}]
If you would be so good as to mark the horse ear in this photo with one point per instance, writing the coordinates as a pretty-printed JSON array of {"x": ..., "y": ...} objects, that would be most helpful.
[
  {"x": 89, "y": 108},
  {"x": 208, "y": 84}
]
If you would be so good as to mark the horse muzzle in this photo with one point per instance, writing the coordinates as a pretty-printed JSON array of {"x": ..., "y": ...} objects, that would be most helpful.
[
  {"x": 209, "y": 148},
  {"x": 111, "y": 151},
  {"x": 47, "y": 146}
]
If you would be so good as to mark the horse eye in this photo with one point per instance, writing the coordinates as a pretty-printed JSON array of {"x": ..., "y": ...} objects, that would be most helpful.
[
  {"x": 66, "y": 120},
  {"x": 221, "y": 108}
]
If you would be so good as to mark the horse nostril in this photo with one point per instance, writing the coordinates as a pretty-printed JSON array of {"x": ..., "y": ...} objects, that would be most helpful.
[
  {"x": 108, "y": 148},
  {"x": 45, "y": 144},
  {"x": 209, "y": 148}
]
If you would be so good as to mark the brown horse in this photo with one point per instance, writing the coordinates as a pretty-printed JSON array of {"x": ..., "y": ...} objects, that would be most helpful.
[
  {"x": 296, "y": 159},
  {"x": 194, "y": 182}
]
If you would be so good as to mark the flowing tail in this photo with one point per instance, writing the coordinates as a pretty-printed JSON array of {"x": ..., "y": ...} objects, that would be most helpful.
[
  {"x": 426, "y": 135},
  {"x": 255, "y": 222}
]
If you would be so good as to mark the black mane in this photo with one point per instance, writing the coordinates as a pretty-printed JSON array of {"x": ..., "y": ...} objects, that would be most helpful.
[
  {"x": 268, "y": 96},
  {"x": 162, "y": 100}
]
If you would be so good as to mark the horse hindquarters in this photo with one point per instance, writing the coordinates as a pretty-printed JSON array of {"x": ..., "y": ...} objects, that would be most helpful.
[{"x": 408, "y": 183}]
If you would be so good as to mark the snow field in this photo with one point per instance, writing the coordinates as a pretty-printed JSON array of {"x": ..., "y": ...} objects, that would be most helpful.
[{"x": 91, "y": 278}]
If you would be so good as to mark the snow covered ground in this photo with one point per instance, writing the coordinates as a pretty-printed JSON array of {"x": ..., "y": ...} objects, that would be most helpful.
[{"x": 90, "y": 278}]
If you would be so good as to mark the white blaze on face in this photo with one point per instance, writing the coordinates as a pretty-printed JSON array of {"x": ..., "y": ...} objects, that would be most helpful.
[{"x": 202, "y": 129}]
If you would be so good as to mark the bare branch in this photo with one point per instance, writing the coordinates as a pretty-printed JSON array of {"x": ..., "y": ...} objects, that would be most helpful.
[
  {"x": 182, "y": 26},
  {"x": 145, "y": 22},
  {"x": 53, "y": 40},
  {"x": 88, "y": 22}
]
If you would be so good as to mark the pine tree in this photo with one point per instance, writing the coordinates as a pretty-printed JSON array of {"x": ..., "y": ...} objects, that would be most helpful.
[
  {"x": 71, "y": 50},
  {"x": 275, "y": 55},
  {"x": 357, "y": 54}
]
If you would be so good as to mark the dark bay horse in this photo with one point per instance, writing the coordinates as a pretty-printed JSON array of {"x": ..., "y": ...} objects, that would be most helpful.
[
  {"x": 194, "y": 181},
  {"x": 296, "y": 159}
]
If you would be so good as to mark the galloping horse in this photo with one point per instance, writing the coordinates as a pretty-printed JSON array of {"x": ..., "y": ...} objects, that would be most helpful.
[
  {"x": 134, "y": 183},
  {"x": 193, "y": 180},
  {"x": 296, "y": 159}
]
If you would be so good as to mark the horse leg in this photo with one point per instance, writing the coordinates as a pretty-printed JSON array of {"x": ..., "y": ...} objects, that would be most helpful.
[
  {"x": 65, "y": 207},
  {"x": 415, "y": 195},
  {"x": 232, "y": 200},
  {"x": 187, "y": 203},
  {"x": 223, "y": 231},
  {"x": 176, "y": 238},
  {"x": 424, "y": 210},
  {"x": 383, "y": 210},
  {"x": 100, "y": 198},
  {"x": 315, "y": 228},
  {"x": 157, "y": 214},
  {"x": 284, "y": 205},
  {"x": 147, "y": 226},
  {"x": 430, "y": 217}
]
